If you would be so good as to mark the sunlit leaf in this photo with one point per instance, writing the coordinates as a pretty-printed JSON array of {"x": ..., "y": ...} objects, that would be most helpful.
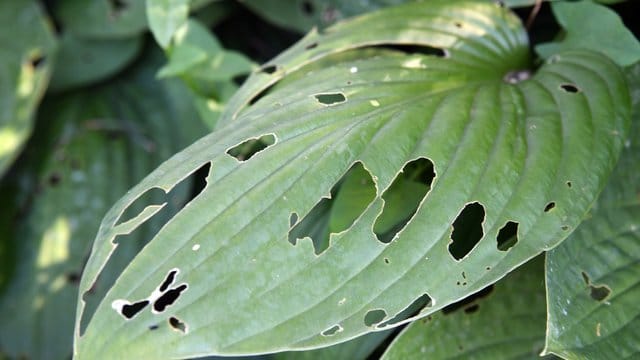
[{"x": 449, "y": 84}]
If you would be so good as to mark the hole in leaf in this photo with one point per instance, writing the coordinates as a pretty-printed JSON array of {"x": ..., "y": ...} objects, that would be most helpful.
[
  {"x": 403, "y": 197},
  {"x": 37, "y": 60},
  {"x": 131, "y": 310},
  {"x": 570, "y": 88},
  {"x": 330, "y": 98},
  {"x": 261, "y": 94},
  {"x": 240, "y": 79},
  {"x": 168, "y": 298},
  {"x": 422, "y": 302},
  {"x": 307, "y": 8},
  {"x": 153, "y": 327},
  {"x": 313, "y": 45},
  {"x": 374, "y": 316},
  {"x": 596, "y": 291},
  {"x": 565, "y": 227},
  {"x": 177, "y": 325},
  {"x": 269, "y": 69},
  {"x": 569, "y": 184},
  {"x": 458, "y": 24},
  {"x": 386, "y": 261},
  {"x": 549, "y": 206},
  {"x": 469, "y": 300},
  {"x": 248, "y": 148},
  {"x": 332, "y": 330},
  {"x": 350, "y": 196},
  {"x": 293, "y": 219},
  {"x": 171, "y": 276},
  {"x": 508, "y": 236},
  {"x": 467, "y": 230},
  {"x": 414, "y": 49}
]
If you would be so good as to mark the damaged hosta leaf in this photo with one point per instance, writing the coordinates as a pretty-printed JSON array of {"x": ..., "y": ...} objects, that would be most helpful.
[
  {"x": 504, "y": 321},
  {"x": 593, "y": 278},
  {"x": 505, "y": 158},
  {"x": 26, "y": 47}
]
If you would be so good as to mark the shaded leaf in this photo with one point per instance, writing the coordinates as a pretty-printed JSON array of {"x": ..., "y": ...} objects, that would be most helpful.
[
  {"x": 593, "y": 278},
  {"x": 26, "y": 47},
  {"x": 592, "y": 26},
  {"x": 508, "y": 323},
  {"x": 102, "y": 18},
  {"x": 507, "y": 146}
]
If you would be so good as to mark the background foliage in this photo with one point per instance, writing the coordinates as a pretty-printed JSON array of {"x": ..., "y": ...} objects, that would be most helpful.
[{"x": 94, "y": 95}]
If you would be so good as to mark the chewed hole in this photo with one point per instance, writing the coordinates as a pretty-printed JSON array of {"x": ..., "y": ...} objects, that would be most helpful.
[
  {"x": 313, "y": 45},
  {"x": 269, "y": 69},
  {"x": 458, "y": 24},
  {"x": 596, "y": 291},
  {"x": 168, "y": 298},
  {"x": 330, "y": 98},
  {"x": 569, "y": 184},
  {"x": 508, "y": 236},
  {"x": 373, "y": 317},
  {"x": 403, "y": 197},
  {"x": 415, "y": 49},
  {"x": 261, "y": 94},
  {"x": 332, "y": 330},
  {"x": 178, "y": 325},
  {"x": 467, "y": 230},
  {"x": 469, "y": 301},
  {"x": 248, "y": 148},
  {"x": 549, "y": 206},
  {"x": 570, "y": 88},
  {"x": 171, "y": 276},
  {"x": 131, "y": 310},
  {"x": 350, "y": 196},
  {"x": 422, "y": 302},
  {"x": 564, "y": 227},
  {"x": 37, "y": 61}
]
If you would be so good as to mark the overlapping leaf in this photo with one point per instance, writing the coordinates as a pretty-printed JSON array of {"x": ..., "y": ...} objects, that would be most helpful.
[
  {"x": 444, "y": 86},
  {"x": 26, "y": 46},
  {"x": 593, "y": 278},
  {"x": 506, "y": 322}
]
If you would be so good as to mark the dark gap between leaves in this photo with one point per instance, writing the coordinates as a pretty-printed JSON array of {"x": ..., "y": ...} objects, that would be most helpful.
[
  {"x": 469, "y": 300},
  {"x": 423, "y": 301}
]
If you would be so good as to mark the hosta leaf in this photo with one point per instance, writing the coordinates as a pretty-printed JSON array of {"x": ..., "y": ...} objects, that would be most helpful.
[
  {"x": 360, "y": 348},
  {"x": 443, "y": 91},
  {"x": 83, "y": 61},
  {"x": 593, "y": 278},
  {"x": 592, "y": 26},
  {"x": 26, "y": 47},
  {"x": 102, "y": 18},
  {"x": 506, "y": 322},
  {"x": 95, "y": 146}
]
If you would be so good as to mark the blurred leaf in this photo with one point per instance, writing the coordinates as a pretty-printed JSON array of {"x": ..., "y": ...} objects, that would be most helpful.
[
  {"x": 448, "y": 92},
  {"x": 165, "y": 17},
  {"x": 508, "y": 322},
  {"x": 82, "y": 61},
  {"x": 593, "y": 278},
  {"x": 592, "y": 26},
  {"x": 26, "y": 48},
  {"x": 360, "y": 348},
  {"x": 95, "y": 146},
  {"x": 102, "y": 18}
]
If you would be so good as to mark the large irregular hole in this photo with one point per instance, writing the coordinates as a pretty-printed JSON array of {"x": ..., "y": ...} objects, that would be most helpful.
[
  {"x": 373, "y": 317},
  {"x": 168, "y": 298},
  {"x": 269, "y": 69},
  {"x": 508, "y": 236},
  {"x": 402, "y": 198},
  {"x": 177, "y": 324},
  {"x": 330, "y": 99},
  {"x": 248, "y": 148},
  {"x": 467, "y": 230},
  {"x": 131, "y": 310},
  {"x": 468, "y": 302},
  {"x": 597, "y": 292},
  {"x": 423, "y": 301},
  {"x": 350, "y": 196},
  {"x": 168, "y": 281}
]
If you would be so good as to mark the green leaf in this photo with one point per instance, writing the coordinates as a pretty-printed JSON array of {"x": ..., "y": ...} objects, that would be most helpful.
[
  {"x": 82, "y": 61},
  {"x": 25, "y": 58},
  {"x": 444, "y": 87},
  {"x": 360, "y": 348},
  {"x": 165, "y": 17},
  {"x": 506, "y": 322},
  {"x": 102, "y": 18},
  {"x": 592, "y": 26},
  {"x": 593, "y": 296},
  {"x": 93, "y": 147}
]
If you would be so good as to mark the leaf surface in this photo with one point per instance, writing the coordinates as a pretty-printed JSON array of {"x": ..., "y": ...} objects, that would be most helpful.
[
  {"x": 593, "y": 278},
  {"x": 437, "y": 83}
]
